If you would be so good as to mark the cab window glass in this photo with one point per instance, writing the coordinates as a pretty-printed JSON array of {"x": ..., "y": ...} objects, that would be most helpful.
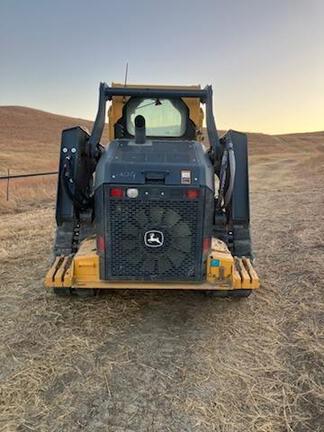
[{"x": 163, "y": 117}]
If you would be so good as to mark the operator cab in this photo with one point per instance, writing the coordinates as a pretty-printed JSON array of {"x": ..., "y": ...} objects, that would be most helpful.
[
  {"x": 164, "y": 118},
  {"x": 171, "y": 118}
]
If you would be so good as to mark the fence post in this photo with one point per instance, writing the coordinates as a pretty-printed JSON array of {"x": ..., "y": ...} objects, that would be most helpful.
[{"x": 8, "y": 184}]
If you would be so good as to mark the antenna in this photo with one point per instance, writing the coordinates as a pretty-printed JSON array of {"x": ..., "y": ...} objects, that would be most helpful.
[
  {"x": 125, "y": 82},
  {"x": 126, "y": 74}
]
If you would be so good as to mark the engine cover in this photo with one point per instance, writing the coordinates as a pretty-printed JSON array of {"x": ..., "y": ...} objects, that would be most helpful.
[{"x": 156, "y": 232}]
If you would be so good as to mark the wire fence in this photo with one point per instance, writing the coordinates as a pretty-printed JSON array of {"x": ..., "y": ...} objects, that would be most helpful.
[{"x": 9, "y": 177}]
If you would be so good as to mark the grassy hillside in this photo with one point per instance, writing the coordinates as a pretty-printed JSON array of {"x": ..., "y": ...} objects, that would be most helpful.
[
  {"x": 30, "y": 138},
  {"x": 30, "y": 141}
]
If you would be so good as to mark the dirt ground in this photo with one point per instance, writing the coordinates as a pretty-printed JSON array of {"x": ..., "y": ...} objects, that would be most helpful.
[{"x": 133, "y": 361}]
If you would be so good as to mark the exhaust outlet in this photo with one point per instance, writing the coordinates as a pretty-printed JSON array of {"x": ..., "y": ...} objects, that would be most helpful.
[{"x": 140, "y": 133}]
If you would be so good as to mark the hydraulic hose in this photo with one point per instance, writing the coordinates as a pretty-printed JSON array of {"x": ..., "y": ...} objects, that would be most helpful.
[
  {"x": 227, "y": 172},
  {"x": 81, "y": 200},
  {"x": 222, "y": 179},
  {"x": 232, "y": 168}
]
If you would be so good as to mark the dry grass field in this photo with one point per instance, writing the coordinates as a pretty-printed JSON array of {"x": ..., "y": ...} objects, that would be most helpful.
[
  {"x": 139, "y": 361},
  {"x": 29, "y": 142}
]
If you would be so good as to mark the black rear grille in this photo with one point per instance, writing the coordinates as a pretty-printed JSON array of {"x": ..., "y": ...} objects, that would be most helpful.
[{"x": 177, "y": 223}]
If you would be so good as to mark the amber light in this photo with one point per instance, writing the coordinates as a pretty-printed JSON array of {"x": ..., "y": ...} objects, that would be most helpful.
[
  {"x": 116, "y": 192},
  {"x": 192, "y": 193}
]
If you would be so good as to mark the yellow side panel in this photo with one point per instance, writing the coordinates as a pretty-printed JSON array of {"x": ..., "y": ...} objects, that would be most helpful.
[
  {"x": 86, "y": 268},
  {"x": 86, "y": 262},
  {"x": 220, "y": 264}
]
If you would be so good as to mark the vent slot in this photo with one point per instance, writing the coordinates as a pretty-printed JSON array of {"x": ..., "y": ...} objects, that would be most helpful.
[{"x": 157, "y": 177}]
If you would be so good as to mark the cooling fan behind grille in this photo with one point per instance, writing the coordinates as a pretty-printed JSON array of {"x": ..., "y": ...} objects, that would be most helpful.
[{"x": 177, "y": 240}]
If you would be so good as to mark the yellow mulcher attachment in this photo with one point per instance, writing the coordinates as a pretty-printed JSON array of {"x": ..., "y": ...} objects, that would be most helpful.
[{"x": 158, "y": 207}]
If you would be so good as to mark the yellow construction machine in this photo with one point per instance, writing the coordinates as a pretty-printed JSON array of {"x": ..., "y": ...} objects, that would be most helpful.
[{"x": 157, "y": 207}]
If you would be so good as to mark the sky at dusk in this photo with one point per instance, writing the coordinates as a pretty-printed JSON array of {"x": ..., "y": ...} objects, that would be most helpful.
[{"x": 264, "y": 58}]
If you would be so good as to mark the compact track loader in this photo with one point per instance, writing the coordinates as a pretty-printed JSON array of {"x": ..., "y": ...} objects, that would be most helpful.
[{"x": 156, "y": 207}]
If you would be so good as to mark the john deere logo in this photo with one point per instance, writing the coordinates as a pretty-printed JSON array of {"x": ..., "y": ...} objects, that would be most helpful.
[{"x": 153, "y": 238}]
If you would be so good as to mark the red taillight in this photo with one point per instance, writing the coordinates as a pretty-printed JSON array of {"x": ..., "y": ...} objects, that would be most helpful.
[
  {"x": 206, "y": 245},
  {"x": 101, "y": 243},
  {"x": 116, "y": 192},
  {"x": 192, "y": 193}
]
